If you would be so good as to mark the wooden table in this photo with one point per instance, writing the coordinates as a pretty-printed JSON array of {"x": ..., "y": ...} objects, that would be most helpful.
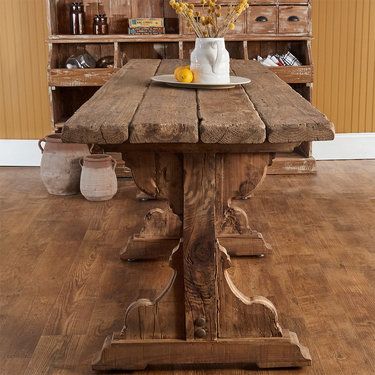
[{"x": 200, "y": 150}]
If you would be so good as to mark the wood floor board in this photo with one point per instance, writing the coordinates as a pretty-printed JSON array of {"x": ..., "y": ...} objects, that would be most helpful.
[{"x": 63, "y": 287}]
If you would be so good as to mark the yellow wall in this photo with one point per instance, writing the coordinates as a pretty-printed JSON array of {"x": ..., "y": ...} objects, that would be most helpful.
[
  {"x": 24, "y": 108},
  {"x": 344, "y": 56}
]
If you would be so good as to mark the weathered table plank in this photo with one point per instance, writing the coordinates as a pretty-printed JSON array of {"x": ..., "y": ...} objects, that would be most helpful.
[
  {"x": 105, "y": 118},
  {"x": 287, "y": 115},
  {"x": 166, "y": 115},
  {"x": 128, "y": 108},
  {"x": 228, "y": 117}
]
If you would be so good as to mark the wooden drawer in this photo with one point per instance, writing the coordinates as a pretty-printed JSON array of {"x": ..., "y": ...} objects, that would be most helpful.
[
  {"x": 294, "y": 19},
  {"x": 240, "y": 25},
  {"x": 263, "y": 2},
  {"x": 262, "y": 20},
  {"x": 281, "y": 2}
]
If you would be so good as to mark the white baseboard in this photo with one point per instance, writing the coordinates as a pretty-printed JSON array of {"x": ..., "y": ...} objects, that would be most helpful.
[
  {"x": 25, "y": 153},
  {"x": 19, "y": 153},
  {"x": 348, "y": 146}
]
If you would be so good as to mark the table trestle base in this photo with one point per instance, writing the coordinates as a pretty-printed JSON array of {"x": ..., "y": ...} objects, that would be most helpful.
[
  {"x": 269, "y": 352},
  {"x": 200, "y": 316}
]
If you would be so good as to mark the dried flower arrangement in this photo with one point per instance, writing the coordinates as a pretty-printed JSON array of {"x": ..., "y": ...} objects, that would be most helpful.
[{"x": 210, "y": 22}]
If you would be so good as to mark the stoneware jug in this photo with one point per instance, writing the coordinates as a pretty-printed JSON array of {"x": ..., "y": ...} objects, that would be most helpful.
[
  {"x": 59, "y": 168},
  {"x": 210, "y": 61},
  {"x": 98, "y": 178}
]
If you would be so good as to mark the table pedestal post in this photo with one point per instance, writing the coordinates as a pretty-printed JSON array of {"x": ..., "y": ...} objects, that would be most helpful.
[
  {"x": 201, "y": 317},
  {"x": 237, "y": 177}
]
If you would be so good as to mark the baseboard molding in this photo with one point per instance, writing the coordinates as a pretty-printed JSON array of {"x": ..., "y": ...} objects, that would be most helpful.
[
  {"x": 348, "y": 146},
  {"x": 19, "y": 153},
  {"x": 25, "y": 153}
]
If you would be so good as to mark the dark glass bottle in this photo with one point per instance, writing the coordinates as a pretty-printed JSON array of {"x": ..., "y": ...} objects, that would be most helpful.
[
  {"x": 77, "y": 18},
  {"x": 100, "y": 25}
]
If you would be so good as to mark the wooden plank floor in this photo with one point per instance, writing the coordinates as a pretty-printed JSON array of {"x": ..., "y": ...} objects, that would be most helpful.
[{"x": 63, "y": 287}]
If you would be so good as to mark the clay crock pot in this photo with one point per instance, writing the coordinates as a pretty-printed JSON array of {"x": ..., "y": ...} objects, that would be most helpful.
[
  {"x": 59, "y": 168},
  {"x": 98, "y": 178}
]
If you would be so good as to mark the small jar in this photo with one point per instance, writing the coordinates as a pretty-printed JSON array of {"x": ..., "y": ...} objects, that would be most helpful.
[
  {"x": 98, "y": 178},
  {"x": 77, "y": 18},
  {"x": 100, "y": 24}
]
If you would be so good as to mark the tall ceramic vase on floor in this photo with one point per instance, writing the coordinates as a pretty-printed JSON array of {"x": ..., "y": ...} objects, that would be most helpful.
[
  {"x": 59, "y": 169},
  {"x": 210, "y": 61}
]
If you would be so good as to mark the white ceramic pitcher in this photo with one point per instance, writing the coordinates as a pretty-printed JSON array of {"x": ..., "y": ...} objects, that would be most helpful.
[{"x": 210, "y": 60}]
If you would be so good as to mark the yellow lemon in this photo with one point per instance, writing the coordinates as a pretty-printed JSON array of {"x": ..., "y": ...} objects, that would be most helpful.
[
  {"x": 184, "y": 75},
  {"x": 177, "y": 70}
]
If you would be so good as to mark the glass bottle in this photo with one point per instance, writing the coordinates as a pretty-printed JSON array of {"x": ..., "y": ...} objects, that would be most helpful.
[
  {"x": 100, "y": 24},
  {"x": 77, "y": 18}
]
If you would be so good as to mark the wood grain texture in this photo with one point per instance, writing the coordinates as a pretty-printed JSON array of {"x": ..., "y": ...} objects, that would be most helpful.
[
  {"x": 200, "y": 262},
  {"x": 161, "y": 232},
  {"x": 258, "y": 312},
  {"x": 322, "y": 268},
  {"x": 80, "y": 77},
  {"x": 159, "y": 317},
  {"x": 288, "y": 116},
  {"x": 166, "y": 115},
  {"x": 228, "y": 116},
  {"x": 105, "y": 118},
  {"x": 159, "y": 175},
  {"x": 237, "y": 177},
  {"x": 119, "y": 353}
]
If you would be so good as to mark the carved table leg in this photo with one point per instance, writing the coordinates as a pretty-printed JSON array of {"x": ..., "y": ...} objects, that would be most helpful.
[
  {"x": 237, "y": 177},
  {"x": 208, "y": 320},
  {"x": 158, "y": 175}
]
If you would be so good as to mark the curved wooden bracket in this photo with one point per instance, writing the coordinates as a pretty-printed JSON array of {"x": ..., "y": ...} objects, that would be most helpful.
[
  {"x": 162, "y": 321},
  {"x": 237, "y": 177},
  {"x": 258, "y": 312},
  {"x": 159, "y": 175}
]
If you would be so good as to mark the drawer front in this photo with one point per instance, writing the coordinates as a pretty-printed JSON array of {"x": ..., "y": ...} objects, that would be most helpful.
[
  {"x": 262, "y": 20},
  {"x": 240, "y": 25},
  {"x": 263, "y": 2},
  {"x": 281, "y": 2},
  {"x": 294, "y": 19}
]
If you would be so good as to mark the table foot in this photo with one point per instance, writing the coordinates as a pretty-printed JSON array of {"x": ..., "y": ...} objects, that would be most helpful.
[
  {"x": 143, "y": 197},
  {"x": 270, "y": 352},
  {"x": 160, "y": 234},
  {"x": 235, "y": 234}
]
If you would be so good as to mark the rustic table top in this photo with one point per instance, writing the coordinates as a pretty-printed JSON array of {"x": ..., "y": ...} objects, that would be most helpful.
[{"x": 129, "y": 108}]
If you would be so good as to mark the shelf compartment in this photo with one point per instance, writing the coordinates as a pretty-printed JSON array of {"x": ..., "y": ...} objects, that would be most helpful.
[
  {"x": 295, "y": 74},
  {"x": 61, "y": 52},
  {"x": 290, "y": 74},
  {"x": 167, "y": 50},
  {"x": 79, "y": 77},
  {"x": 67, "y": 101}
]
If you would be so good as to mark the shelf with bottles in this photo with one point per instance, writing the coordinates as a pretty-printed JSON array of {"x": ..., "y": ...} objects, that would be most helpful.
[{"x": 117, "y": 12}]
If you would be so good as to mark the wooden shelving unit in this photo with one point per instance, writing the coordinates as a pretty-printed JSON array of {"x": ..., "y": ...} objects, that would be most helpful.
[{"x": 269, "y": 26}]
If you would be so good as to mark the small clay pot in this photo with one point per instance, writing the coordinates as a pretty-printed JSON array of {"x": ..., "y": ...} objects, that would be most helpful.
[
  {"x": 98, "y": 178},
  {"x": 59, "y": 168}
]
